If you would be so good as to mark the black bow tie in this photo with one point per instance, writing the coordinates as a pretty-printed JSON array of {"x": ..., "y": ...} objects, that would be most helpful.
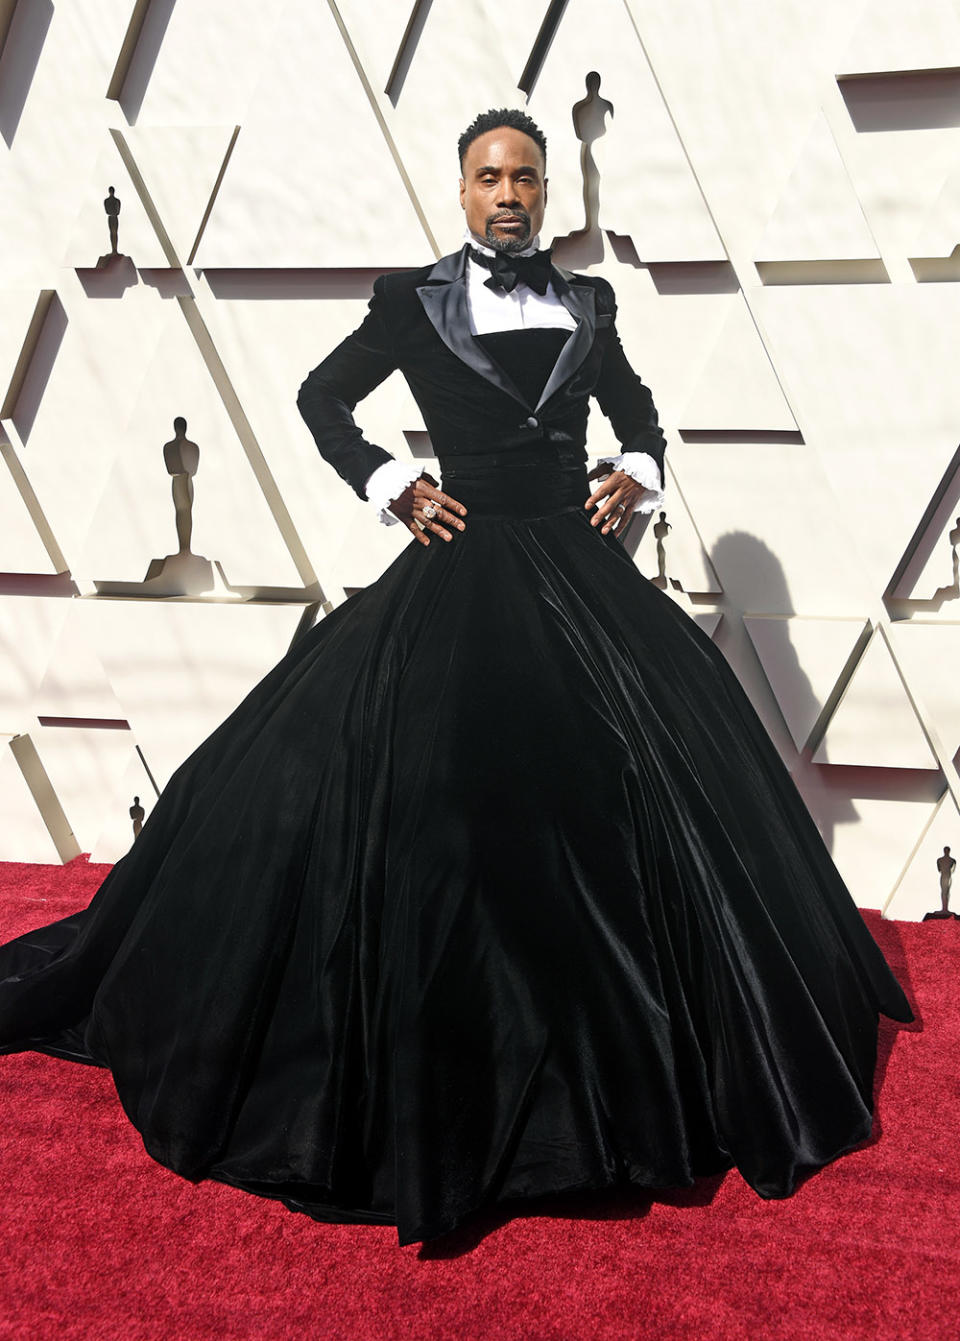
[{"x": 507, "y": 271}]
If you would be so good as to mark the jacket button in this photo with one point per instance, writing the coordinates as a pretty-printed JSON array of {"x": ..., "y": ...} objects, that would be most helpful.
[{"x": 533, "y": 422}]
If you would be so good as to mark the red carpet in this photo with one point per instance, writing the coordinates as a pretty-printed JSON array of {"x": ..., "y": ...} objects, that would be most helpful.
[{"x": 98, "y": 1241}]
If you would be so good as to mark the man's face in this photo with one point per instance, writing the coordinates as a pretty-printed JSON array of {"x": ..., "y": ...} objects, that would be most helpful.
[{"x": 503, "y": 189}]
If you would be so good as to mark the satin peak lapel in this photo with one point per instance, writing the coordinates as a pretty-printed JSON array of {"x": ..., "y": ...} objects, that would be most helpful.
[
  {"x": 445, "y": 304},
  {"x": 580, "y": 302}
]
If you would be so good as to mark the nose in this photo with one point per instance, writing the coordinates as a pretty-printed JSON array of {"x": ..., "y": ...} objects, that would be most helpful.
[{"x": 508, "y": 196}]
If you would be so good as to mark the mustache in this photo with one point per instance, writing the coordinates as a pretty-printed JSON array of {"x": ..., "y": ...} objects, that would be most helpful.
[{"x": 518, "y": 213}]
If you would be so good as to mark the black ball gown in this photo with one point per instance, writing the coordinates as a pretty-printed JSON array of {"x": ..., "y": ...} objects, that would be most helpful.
[{"x": 495, "y": 886}]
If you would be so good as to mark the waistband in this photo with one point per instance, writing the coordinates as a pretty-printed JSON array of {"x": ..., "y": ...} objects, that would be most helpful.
[
  {"x": 545, "y": 454},
  {"x": 495, "y": 485}
]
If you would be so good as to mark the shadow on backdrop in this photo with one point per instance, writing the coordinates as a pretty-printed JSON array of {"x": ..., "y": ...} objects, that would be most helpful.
[
  {"x": 147, "y": 29},
  {"x": 20, "y": 48},
  {"x": 754, "y": 582}
]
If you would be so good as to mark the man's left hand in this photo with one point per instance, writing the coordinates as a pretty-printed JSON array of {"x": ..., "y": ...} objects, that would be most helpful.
[{"x": 617, "y": 497}]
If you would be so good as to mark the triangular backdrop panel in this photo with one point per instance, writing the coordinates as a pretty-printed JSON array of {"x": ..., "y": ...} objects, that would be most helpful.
[
  {"x": 818, "y": 216},
  {"x": 803, "y": 660},
  {"x": 180, "y": 167},
  {"x": 74, "y": 684},
  {"x": 738, "y": 388},
  {"x": 874, "y": 725},
  {"x": 309, "y": 160},
  {"x": 928, "y": 656},
  {"x": 88, "y": 395},
  {"x": 872, "y": 841},
  {"x": 135, "y": 521}
]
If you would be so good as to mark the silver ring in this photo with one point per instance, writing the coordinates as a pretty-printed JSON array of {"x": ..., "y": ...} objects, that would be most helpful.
[
  {"x": 430, "y": 511},
  {"x": 622, "y": 507}
]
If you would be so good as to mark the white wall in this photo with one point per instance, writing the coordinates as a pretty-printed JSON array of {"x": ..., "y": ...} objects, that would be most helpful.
[{"x": 779, "y": 209}]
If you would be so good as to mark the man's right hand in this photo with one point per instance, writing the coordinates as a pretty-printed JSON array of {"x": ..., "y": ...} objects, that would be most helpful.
[{"x": 408, "y": 508}]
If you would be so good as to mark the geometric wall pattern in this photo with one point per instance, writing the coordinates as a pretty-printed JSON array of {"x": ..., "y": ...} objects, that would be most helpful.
[{"x": 774, "y": 192}]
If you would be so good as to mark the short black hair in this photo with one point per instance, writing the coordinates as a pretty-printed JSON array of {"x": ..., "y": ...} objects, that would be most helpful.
[{"x": 493, "y": 120}]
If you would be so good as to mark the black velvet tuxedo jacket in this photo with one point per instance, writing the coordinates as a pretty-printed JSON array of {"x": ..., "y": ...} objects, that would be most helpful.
[{"x": 418, "y": 322}]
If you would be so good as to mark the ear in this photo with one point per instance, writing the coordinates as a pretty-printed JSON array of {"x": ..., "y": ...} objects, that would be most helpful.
[
  {"x": 545, "y": 184},
  {"x": 463, "y": 193}
]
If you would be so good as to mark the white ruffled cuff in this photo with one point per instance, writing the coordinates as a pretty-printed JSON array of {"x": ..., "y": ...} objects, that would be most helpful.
[
  {"x": 388, "y": 482},
  {"x": 642, "y": 468}
]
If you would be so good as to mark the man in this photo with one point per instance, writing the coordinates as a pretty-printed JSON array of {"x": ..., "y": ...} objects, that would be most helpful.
[
  {"x": 505, "y": 907},
  {"x": 424, "y": 322}
]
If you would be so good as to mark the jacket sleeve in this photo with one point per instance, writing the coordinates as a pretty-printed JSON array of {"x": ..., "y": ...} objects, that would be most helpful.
[
  {"x": 330, "y": 392},
  {"x": 621, "y": 395}
]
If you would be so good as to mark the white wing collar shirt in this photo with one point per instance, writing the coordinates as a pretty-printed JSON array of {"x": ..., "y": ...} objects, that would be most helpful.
[{"x": 495, "y": 310}]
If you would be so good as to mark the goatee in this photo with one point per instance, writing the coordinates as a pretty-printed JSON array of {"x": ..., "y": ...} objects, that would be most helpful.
[{"x": 508, "y": 244}]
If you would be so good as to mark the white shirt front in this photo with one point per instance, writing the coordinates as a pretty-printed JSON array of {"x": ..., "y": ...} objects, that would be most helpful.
[{"x": 495, "y": 310}]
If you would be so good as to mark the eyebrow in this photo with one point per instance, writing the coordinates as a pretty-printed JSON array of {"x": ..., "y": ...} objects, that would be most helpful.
[{"x": 489, "y": 167}]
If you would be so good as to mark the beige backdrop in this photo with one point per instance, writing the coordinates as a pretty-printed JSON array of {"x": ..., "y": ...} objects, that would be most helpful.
[{"x": 773, "y": 190}]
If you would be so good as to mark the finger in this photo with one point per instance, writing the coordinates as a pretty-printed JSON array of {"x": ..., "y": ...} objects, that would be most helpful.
[
  {"x": 445, "y": 500},
  {"x": 609, "y": 493},
  {"x": 609, "y": 504},
  {"x": 452, "y": 518},
  {"x": 431, "y": 523},
  {"x": 433, "y": 500},
  {"x": 611, "y": 482},
  {"x": 598, "y": 493},
  {"x": 424, "y": 539},
  {"x": 618, "y": 521},
  {"x": 615, "y": 523},
  {"x": 615, "y": 517}
]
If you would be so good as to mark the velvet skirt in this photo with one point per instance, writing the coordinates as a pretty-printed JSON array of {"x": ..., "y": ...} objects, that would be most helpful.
[{"x": 494, "y": 886}]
